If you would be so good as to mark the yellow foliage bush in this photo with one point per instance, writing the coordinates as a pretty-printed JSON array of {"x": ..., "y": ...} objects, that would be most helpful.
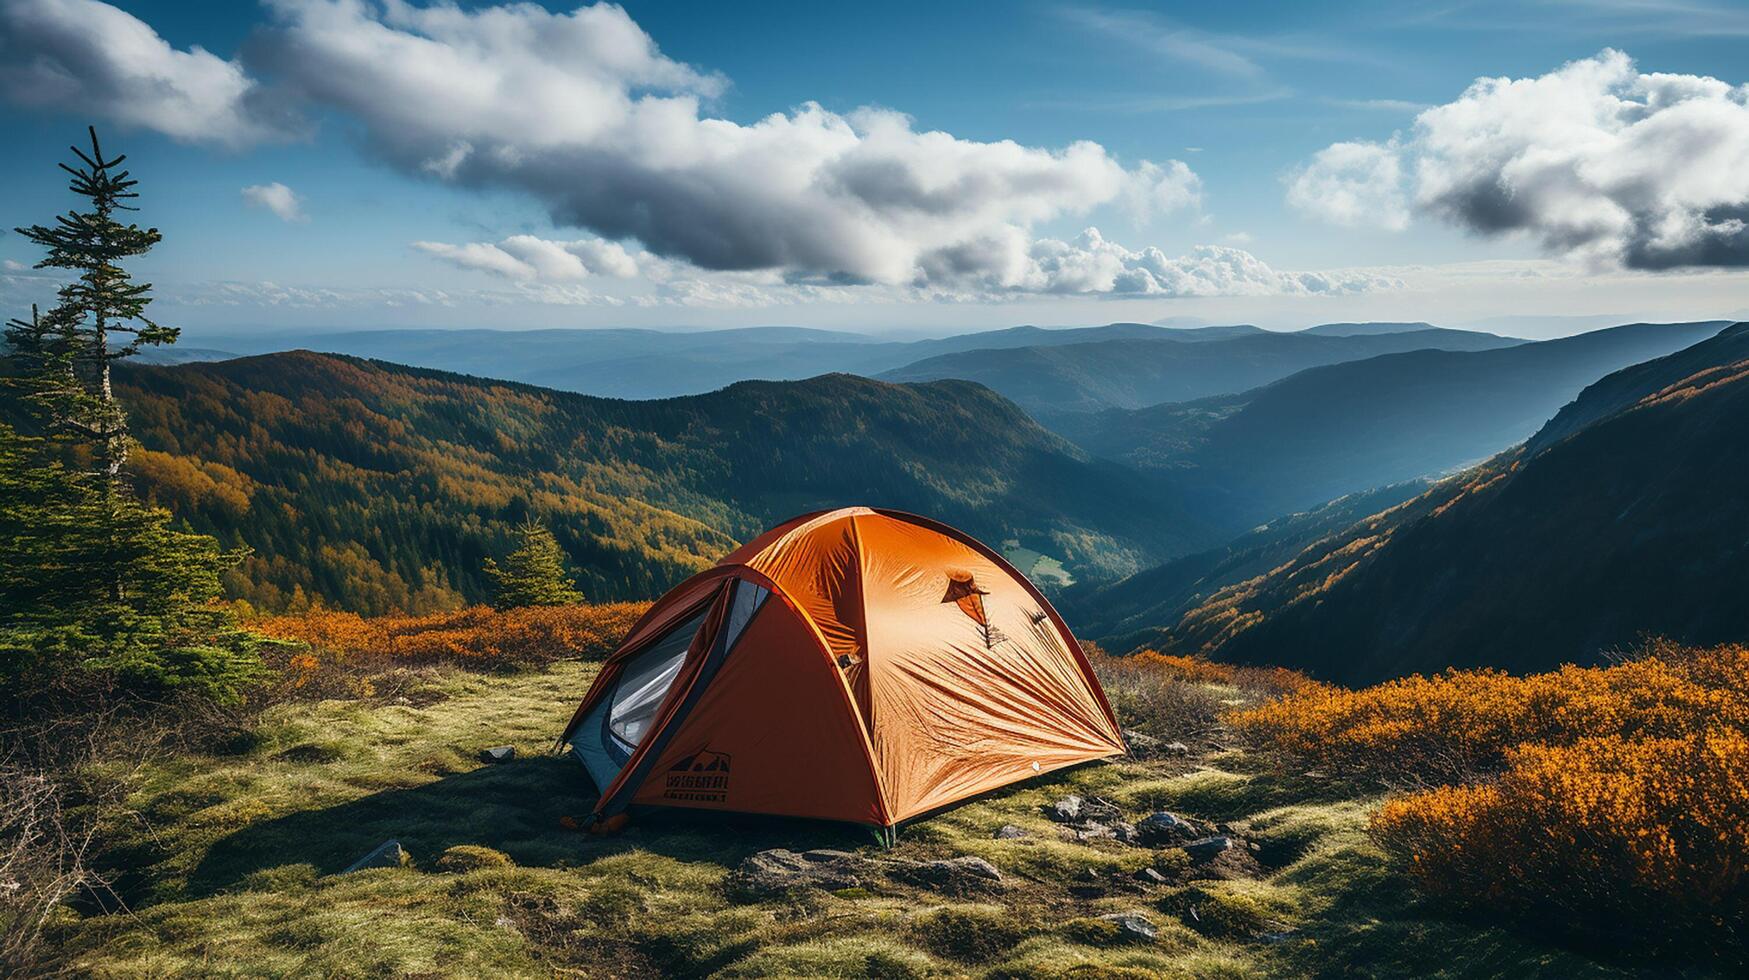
[
  {"x": 1610, "y": 801},
  {"x": 477, "y": 636}
]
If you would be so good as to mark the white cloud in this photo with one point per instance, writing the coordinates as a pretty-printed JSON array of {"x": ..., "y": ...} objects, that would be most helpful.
[
  {"x": 528, "y": 258},
  {"x": 583, "y": 112},
  {"x": 13, "y": 265},
  {"x": 278, "y": 198},
  {"x": 89, "y": 58},
  {"x": 1595, "y": 160},
  {"x": 1352, "y": 184}
]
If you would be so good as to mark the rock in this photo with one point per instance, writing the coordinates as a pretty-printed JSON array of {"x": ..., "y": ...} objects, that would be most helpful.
[
  {"x": 1162, "y": 829},
  {"x": 498, "y": 753},
  {"x": 388, "y": 854},
  {"x": 952, "y": 874},
  {"x": 1208, "y": 848},
  {"x": 828, "y": 854},
  {"x": 1009, "y": 831},
  {"x": 1140, "y": 743},
  {"x": 1125, "y": 832},
  {"x": 1065, "y": 810},
  {"x": 779, "y": 871},
  {"x": 1099, "y": 811},
  {"x": 1132, "y": 927},
  {"x": 1150, "y": 876},
  {"x": 1174, "y": 748}
]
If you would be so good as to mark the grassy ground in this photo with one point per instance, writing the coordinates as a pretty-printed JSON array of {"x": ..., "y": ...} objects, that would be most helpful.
[{"x": 233, "y": 863}]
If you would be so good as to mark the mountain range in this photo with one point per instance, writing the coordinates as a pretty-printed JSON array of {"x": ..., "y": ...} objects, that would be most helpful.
[
  {"x": 1623, "y": 518},
  {"x": 1066, "y": 379},
  {"x": 1338, "y": 429},
  {"x": 373, "y": 486}
]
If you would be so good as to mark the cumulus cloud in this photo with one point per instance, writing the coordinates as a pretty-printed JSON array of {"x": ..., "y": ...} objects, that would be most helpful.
[
  {"x": 583, "y": 111},
  {"x": 1595, "y": 160},
  {"x": 1353, "y": 185},
  {"x": 528, "y": 258},
  {"x": 90, "y": 58},
  {"x": 1090, "y": 264},
  {"x": 277, "y": 198}
]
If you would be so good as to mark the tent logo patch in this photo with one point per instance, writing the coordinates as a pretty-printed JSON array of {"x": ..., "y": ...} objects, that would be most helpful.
[{"x": 702, "y": 777}]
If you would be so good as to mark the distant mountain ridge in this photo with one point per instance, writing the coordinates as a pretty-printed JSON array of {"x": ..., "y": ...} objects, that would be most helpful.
[
  {"x": 1632, "y": 523},
  {"x": 643, "y": 364},
  {"x": 373, "y": 486},
  {"x": 1338, "y": 429},
  {"x": 1051, "y": 382}
]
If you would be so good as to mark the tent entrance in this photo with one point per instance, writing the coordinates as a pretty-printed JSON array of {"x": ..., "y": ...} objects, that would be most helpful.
[{"x": 617, "y": 725}]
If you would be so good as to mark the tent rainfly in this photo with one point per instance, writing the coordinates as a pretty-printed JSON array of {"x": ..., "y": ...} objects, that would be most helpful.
[{"x": 857, "y": 665}]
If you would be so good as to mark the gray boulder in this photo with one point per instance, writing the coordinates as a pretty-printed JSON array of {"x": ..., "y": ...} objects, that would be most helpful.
[
  {"x": 498, "y": 753},
  {"x": 1132, "y": 927},
  {"x": 388, "y": 854},
  {"x": 1009, "y": 831},
  {"x": 1208, "y": 848},
  {"x": 1162, "y": 829},
  {"x": 953, "y": 875},
  {"x": 777, "y": 872}
]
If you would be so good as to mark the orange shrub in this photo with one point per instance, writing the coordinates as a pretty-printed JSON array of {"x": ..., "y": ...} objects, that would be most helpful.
[
  {"x": 1462, "y": 723},
  {"x": 1645, "y": 839},
  {"x": 1609, "y": 801},
  {"x": 478, "y": 636}
]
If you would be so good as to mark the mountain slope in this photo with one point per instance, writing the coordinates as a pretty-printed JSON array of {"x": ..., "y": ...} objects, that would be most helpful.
[
  {"x": 1054, "y": 381},
  {"x": 1341, "y": 428},
  {"x": 1370, "y": 328},
  {"x": 1635, "y": 524},
  {"x": 373, "y": 486}
]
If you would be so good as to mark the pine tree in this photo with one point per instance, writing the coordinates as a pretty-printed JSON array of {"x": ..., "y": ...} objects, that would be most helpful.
[
  {"x": 100, "y": 317},
  {"x": 96, "y": 585},
  {"x": 533, "y": 574}
]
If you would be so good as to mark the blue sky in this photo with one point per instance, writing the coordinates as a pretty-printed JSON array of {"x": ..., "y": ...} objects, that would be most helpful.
[{"x": 1281, "y": 163}]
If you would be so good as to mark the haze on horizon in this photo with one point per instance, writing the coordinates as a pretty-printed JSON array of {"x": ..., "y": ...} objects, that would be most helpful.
[{"x": 317, "y": 165}]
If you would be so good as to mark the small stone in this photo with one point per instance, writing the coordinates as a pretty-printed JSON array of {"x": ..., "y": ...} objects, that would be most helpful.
[
  {"x": 498, "y": 753},
  {"x": 1208, "y": 848},
  {"x": 1150, "y": 876},
  {"x": 1140, "y": 743},
  {"x": 1009, "y": 831},
  {"x": 951, "y": 874},
  {"x": 1125, "y": 833},
  {"x": 1162, "y": 829},
  {"x": 388, "y": 854},
  {"x": 1175, "y": 748},
  {"x": 1132, "y": 927},
  {"x": 779, "y": 871},
  {"x": 1100, "y": 811},
  {"x": 1065, "y": 810}
]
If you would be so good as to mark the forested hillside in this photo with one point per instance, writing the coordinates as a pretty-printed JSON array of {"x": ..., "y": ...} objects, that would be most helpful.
[
  {"x": 1633, "y": 525},
  {"x": 373, "y": 487}
]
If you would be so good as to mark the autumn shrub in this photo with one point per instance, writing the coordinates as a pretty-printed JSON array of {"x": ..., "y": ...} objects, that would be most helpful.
[
  {"x": 478, "y": 636},
  {"x": 1167, "y": 693},
  {"x": 1610, "y": 802},
  {"x": 1462, "y": 724},
  {"x": 1638, "y": 840}
]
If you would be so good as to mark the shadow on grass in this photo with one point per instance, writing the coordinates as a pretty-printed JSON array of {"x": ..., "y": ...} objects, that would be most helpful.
[{"x": 515, "y": 808}]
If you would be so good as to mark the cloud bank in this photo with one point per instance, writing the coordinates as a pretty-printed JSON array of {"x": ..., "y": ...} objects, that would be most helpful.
[
  {"x": 1596, "y": 160},
  {"x": 583, "y": 112}
]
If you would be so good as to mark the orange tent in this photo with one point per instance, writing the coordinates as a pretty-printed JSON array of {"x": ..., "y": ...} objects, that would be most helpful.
[{"x": 857, "y": 664}]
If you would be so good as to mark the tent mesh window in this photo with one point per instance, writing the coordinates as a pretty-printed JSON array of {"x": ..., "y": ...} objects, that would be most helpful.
[{"x": 645, "y": 682}]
